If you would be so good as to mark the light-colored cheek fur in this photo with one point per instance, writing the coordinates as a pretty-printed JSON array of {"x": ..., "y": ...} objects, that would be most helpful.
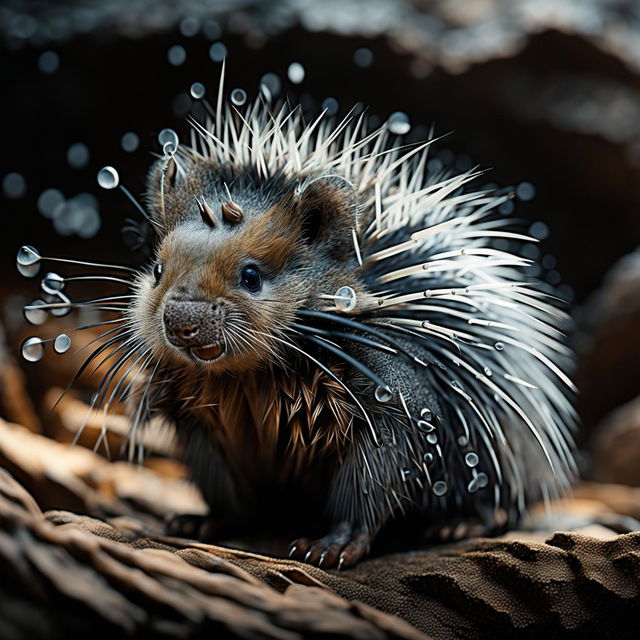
[{"x": 251, "y": 331}]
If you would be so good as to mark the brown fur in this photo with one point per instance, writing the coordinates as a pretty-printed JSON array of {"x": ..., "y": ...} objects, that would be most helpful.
[{"x": 289, "y": 421}]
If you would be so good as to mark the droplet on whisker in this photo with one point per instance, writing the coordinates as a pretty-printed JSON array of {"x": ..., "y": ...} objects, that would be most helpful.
[
  {"x": 32, "y": 349},
  {"x": 345, "y": 299},
  {"x": 52, "y": 283},
  {"x": 64, "y": 309},
  {"x": 61, "y": 343},
  {"x": 35, "y": 315},
  {"x": 28, "y": 255},
  {"x": 108, "y": 178}
]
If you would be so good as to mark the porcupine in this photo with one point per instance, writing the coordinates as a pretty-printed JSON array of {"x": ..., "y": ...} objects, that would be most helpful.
[{"x": 333, "y": 330}]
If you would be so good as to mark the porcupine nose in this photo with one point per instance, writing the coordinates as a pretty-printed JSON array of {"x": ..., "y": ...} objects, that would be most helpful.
[{"x": 190, "y": 323}]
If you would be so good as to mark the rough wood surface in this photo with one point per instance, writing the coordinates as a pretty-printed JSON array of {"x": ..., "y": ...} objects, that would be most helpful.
[{"x": 63, "y": 573}]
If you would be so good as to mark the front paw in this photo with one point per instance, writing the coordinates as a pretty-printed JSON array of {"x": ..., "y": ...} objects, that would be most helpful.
[{"x": 343, "y": 546}]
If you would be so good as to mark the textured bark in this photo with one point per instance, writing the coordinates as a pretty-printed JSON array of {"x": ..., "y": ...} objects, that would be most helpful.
[
  {"x": 70, "y": 574},
  {"x": 62, "y": 573}
]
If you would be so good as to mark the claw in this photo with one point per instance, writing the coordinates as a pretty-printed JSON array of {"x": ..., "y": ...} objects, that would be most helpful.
[
  {"x": 293, "y": 549},
  {"x": 341, "y": 561},
  {"x": 307, "y": 556},
  {"x": 322, "y": 557}
]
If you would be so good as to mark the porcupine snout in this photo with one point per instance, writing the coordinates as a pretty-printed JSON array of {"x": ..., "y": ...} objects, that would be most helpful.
[{"x": 195, "y": 325}]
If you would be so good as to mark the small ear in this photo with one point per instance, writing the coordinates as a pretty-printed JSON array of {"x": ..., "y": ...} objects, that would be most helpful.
[
  {"x": 312, "y": 220},
  {"x": 327, "y": 210},
  {"x": 166, "y": 193}
]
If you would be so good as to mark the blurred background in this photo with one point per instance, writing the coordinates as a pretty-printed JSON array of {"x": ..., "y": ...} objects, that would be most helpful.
[{"x": 543, "y": 93}]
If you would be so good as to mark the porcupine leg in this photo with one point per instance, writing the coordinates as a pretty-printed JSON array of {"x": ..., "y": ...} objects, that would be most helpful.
[
  {"x": 210, "y": 472},
  {"x": 363, "y": 495}
]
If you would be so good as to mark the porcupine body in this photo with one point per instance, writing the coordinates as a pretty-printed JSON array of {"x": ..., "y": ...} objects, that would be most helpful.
[
  {"x": 334, "y": 333},
  {"x": 340, "y": 336}
]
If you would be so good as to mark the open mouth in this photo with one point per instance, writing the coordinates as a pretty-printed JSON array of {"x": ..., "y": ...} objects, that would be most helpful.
[{"x": 207, "y": 352}]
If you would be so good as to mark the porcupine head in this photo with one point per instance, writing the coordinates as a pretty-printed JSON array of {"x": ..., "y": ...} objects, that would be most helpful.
[{"x": 341, "y": 336}]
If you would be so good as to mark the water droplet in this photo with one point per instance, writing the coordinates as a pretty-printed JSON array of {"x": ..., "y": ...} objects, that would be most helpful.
[
  {"x": 398, "y": 123},
  {"x": 90, "y": 225},
  {"x": 14, "y": 185},
  {"x": 425, "y": 426},
  {"x": 61, "y": 343},
  {"x": 506, "y": 208},
  {"x": 211, "y": 30},
  {"x": 168, "y": 148},
  {"x": 27, "y": 255},
  {"x": 406, "y": 474},
  {"x": 427, "y": 293},
  {"x": 472, "y": 487},
  {"x": 553, "y": 277},
  {"x": 539, "y": 230},
  {"x": 52, "y": 283},
  {"x": 130, "y": 142},
  {"x": 48, "y": 200},
  {"x": 471, "y": 459},
  {"x": 463, "y": 441},
  {"x": 382, "y": 394},
  {"x": 48, "y": 62},
  {"x": 32, "y": 349},
  {"x": 168, "y": 135},
  {"x": 497, "y": 398},
  {"x": 295, "y": 73},
  {"x": 482, "y": 479},
  {"x": 108, "y": 178},
  {"x": 525, "y": 191},
  {"x": 428, "y": 457},
  {"x": 176, "y": 55},
  {"x": 238, "y": 97},
  {"x": 63, "y": 310},
  {"x": 272, "y": 83},
  {"x": 330, "y": 106},
  {"x": 499, "y": 346},
  {"x": 28, "y": 271},
  {"x": 189, "y": 26},
  {"x": 439, "y": 488},
  {"x": 487, "y": 372},
  {"x": 217, "y": 52},
  {"x": 36, "y": 316},
  {"x": 197, "y": 91},
  {"x": 432, "y": 438},
  {"x": 78, "y": 155},
  {"x": 426, "y": 414},
  {"x": 363, "y": 57},
  {"x": 346, "y": 299},
  {"x": 549, "y": 261}
]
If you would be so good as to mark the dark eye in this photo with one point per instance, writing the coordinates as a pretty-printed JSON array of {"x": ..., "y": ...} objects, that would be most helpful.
[
  {"x": 251, "y": 278},
  {"x": 157, "y": 272}
]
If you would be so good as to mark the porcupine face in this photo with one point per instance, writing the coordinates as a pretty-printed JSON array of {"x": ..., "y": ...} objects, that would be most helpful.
[{"x": 235, "y": 261}]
